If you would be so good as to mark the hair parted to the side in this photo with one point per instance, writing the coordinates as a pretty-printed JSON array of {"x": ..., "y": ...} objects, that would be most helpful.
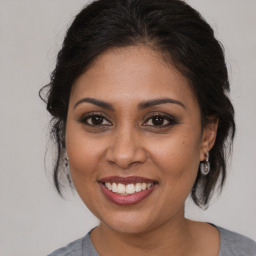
[{"x": 170, "y": 27}]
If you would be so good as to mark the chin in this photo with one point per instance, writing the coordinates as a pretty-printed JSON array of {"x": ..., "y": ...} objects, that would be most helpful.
[
  {"x": 128, "y": 222},
  {"x": 128, "y": 227}
]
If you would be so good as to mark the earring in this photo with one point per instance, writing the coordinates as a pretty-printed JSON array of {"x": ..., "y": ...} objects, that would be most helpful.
[
  {"x": 205, "y": 166},
  {"x": 68, "y": 171}
]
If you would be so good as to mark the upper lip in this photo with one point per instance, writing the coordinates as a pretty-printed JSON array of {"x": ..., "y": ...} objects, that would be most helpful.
[{"x": 126, "y": 180}]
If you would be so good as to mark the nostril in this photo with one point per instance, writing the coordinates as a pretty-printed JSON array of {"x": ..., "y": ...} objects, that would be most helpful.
[
  {"x": 125, "y": 158},
  {"x": 126, "y": 154}
]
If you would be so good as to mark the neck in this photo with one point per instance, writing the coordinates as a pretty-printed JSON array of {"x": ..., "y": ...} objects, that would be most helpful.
[{"x": 172, "y": 237}]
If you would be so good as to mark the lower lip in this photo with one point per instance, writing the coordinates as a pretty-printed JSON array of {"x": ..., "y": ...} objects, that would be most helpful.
[{"x": 126, "y": 199}]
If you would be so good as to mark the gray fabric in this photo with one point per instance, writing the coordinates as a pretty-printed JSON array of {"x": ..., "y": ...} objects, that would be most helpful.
[
  {"x": 234, "y": 244},
  {"x": 231, "y": 244},
  {"x": 80, "y": 247}
]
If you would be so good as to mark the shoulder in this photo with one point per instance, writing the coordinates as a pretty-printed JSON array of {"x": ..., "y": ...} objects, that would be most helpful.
[
  {"x": 234, "y": 244},
  {"x": 80, "y": 247},
  {"x": 74, "y": 248}
]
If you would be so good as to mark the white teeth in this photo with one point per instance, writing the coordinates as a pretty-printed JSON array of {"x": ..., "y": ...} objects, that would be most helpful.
[
  {"x": 120, "y": 188},
  {"x": 114, "y": 187},
  {"x": 130, "y": 189},
  {"x": 138, "y": 187},
  {"x": 127, "y": 189},
  {"x": 108, "y": 185}
]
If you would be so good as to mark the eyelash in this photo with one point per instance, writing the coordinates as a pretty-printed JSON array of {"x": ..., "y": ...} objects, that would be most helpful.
[
  {"x": 84, "y": 119},
  {"x": 170, "y": 119}
]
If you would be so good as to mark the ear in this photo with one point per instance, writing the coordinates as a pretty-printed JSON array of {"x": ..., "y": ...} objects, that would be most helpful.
[{"x": 208, "y": 136}]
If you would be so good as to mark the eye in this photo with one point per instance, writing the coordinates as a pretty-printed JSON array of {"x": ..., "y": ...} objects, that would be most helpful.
[
  {"x": 160, "y": 121},
  {"x": 95, "y": 120}
]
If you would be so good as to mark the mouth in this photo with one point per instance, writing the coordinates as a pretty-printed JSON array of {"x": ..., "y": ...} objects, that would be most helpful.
[{"x": 128, "y": 190}]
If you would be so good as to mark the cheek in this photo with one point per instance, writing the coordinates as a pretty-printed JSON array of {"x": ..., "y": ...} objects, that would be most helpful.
[
  {"x": 83, "y": 152},
  {"x": 84, "y": 155},
  {"x": 178, "y": 160},
  {"x": 178, "y": 157}
]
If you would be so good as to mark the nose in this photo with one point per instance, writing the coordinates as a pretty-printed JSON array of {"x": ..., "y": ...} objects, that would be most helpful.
[{"x": 126, "y": 149}]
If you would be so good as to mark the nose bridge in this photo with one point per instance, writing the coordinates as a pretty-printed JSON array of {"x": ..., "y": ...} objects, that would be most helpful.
[{"x": 126, "y": 147}]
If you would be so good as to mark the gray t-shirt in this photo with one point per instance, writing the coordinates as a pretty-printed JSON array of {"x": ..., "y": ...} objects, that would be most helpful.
[{"x": 231, "y": 244}]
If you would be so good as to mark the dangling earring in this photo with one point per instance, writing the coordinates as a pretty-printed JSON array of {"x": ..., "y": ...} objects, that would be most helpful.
[
  {"x": 205, "y": 166},
  {"x": 68, "y": 171}
]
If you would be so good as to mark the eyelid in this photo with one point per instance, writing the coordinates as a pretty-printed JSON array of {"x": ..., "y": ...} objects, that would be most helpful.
[
  {"x": 172, "y": 120},
  {"x": 87, "y": 116}
]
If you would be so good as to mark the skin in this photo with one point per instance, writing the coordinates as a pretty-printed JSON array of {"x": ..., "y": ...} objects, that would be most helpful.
[{"x": 129, "y": 144}]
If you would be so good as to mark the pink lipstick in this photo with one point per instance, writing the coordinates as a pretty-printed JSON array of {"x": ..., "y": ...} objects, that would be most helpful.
[{"x": 126, "y": 190}]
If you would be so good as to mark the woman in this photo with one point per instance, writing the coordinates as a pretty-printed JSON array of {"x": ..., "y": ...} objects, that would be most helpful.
[{"x": 141, "y": 120}]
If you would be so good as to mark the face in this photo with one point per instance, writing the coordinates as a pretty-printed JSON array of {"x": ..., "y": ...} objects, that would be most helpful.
[{"x": 134, "y": 139}]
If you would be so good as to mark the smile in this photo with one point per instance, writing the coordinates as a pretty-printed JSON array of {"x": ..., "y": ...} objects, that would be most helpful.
[{"x": 126, "y": 191}]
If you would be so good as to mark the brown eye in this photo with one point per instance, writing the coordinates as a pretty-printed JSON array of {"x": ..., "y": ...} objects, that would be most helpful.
[
  {"x": 95, "y": 120},
  {"x": 157, "y": 120},
  {"x": 160, "y": 121}
]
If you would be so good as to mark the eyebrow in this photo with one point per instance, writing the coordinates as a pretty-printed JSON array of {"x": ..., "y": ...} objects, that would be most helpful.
[
  {"x": 155, "y": 102},
  {"x": 99, "y": 103},
  {"x": 142, "y": 105}
]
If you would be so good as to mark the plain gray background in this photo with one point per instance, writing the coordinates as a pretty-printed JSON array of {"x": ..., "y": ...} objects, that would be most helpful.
[{"x": 34, "y": 220}]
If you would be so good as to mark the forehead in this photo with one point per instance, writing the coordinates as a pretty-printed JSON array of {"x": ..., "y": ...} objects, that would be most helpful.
[{"x": 130, "y": 74}]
